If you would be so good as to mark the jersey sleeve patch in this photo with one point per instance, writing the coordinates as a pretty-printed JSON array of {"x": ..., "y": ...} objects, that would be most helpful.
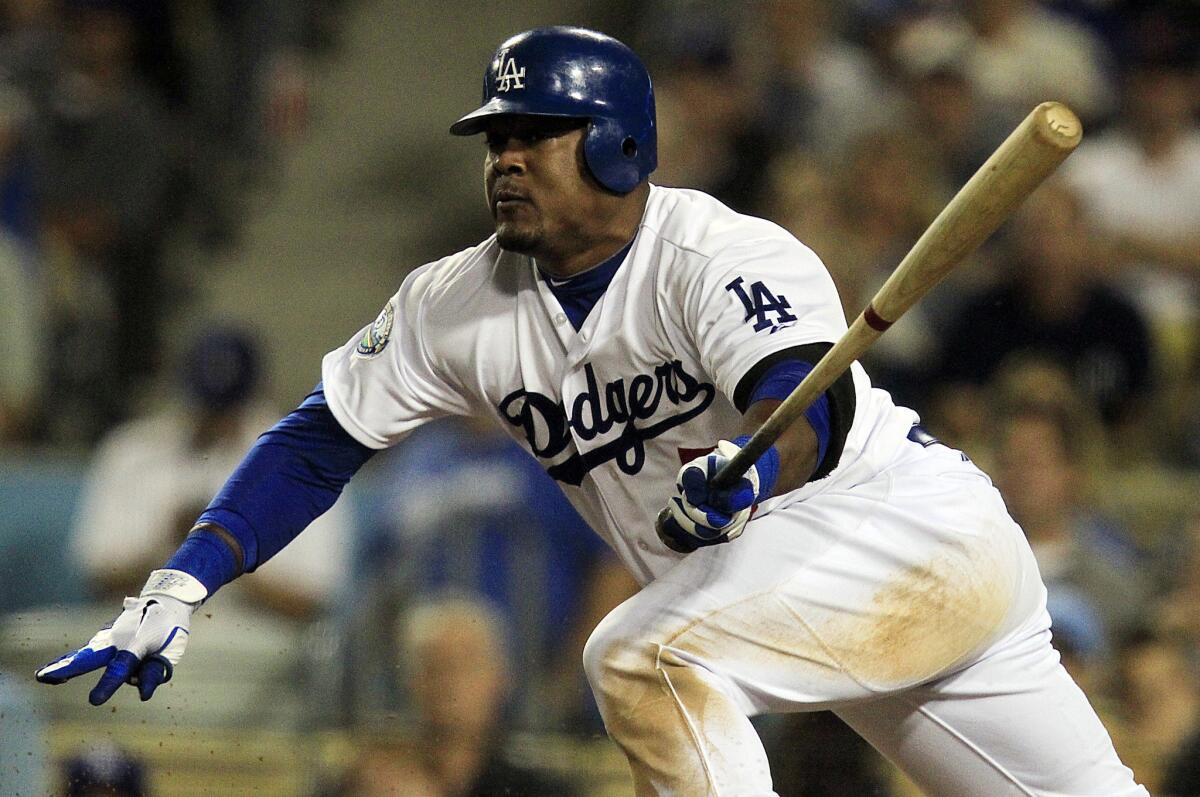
[
  {"x": 767, "y": 310},
  {"x": 376, "y": 337}
]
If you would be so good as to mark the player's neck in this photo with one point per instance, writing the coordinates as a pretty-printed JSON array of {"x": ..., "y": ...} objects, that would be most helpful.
[{"x": 609, "y": 237}]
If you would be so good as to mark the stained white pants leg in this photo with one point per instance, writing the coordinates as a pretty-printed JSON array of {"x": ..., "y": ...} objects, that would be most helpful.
[{"x": 910, "y": 604}]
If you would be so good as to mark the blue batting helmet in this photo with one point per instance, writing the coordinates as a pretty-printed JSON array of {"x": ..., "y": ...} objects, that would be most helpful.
[{"x": 577, "y": 73}]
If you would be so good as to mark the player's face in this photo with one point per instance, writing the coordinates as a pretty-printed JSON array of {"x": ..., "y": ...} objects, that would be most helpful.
[{"x": 539, "y": 191}]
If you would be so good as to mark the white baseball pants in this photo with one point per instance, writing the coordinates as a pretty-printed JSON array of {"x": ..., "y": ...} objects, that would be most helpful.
[{"x": 910, "y": 604}]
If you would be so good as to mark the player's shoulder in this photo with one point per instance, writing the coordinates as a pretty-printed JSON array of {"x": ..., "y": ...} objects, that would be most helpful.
[
  {"x": 461, "y": 278},
  {"x": 464, "y": 266},
  {"x": 707, "y": 235},
  {"x": 698, "y": 222}
]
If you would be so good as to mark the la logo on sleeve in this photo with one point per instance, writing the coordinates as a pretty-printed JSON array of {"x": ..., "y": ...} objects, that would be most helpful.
[{"x": 759, "y": 303}]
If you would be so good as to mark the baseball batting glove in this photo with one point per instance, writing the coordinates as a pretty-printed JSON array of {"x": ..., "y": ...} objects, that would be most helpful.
[
  {"x": 142, "y": 646},
  {"x": 699, "y": 515}
]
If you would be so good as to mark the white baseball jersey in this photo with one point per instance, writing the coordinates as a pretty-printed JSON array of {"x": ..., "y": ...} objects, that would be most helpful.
[{"x": 613, "y": 409}]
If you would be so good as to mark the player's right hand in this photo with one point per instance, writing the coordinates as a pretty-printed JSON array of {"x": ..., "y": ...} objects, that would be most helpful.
[
  {"x": 142, "y": 646},
  {"x": 700, "y": 515}
]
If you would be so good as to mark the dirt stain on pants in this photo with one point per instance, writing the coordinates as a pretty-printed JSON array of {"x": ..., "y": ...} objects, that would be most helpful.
[{"x": 670, "y": 703}]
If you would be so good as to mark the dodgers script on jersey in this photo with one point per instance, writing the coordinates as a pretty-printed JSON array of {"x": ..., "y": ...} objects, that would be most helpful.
[{"x": 611, "y": 410}]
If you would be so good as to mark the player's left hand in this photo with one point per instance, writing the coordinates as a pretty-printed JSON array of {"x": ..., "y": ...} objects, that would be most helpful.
[
  {"x": 142, "y": 646},
  {"x": 698, "y": 514}
]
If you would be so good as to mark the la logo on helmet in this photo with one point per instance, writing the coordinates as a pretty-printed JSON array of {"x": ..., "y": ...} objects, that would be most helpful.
[{"x": 509, "y": 77}]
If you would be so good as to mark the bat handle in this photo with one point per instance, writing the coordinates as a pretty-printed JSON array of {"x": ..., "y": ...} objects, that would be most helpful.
[
  {"x": 737, "y": 465},
  {"x": 663, "y": 514}
]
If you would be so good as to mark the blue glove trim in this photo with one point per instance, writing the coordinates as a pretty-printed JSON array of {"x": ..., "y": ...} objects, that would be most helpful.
[
  {"x": 80, "y": 661},
  {"x": 778, "y": 383},
  {"x": 154, "y": 672},
  {"x": 119, "y": 669},
  {"x": 293, "y": 474},
  {"x": 767, "y": 467}
]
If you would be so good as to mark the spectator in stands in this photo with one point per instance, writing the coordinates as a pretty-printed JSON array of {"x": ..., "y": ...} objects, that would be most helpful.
[
  {"x": 247, "y": 94},
  {"x": 1159, "y": 699},
  {"x": 1018, "y": 53},
  {"x": 1082, "y": 640},
  {"x": 104, "y": 771},
  {"x": 463, "y": 507},
  {"x": 1045, "y": 456},
  {"x": 22, "y": 334},
  {"x": 255, "y": 84},
  {"x": 710, "y": 136},
  {"x": 802, "y": 195},
  {"x": 31, "y": 41},
  {"x": 945, "y": 109},
  {"x": 1141, "y": 178},
  {"x": 1140, "y": 181},
  {"x": 820, "y": 89},
  {"x": 102, "y": 167},
  {"x": 151, "y": 477},
  {"x": 1054, "y": 303},
  {"x": 889, "y": 190},
  {"x": 459, "y": 675},
  {"x": 1178, "y": 580}
]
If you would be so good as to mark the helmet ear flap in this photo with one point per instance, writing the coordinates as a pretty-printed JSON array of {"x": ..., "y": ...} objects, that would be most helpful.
[{"x": 615, "y": 156}]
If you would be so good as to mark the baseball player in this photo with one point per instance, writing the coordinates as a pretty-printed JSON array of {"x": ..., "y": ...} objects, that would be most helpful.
[{"x": 630, "y": 336}]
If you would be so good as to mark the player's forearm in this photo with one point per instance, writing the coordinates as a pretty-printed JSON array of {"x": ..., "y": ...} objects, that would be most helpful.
[
  {"x": 802, "y": 448},
  {"x": 798, "y": 446},
  {"x": 292, "y": 475}
]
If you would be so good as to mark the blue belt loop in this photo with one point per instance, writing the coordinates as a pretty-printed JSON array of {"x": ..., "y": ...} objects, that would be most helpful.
[{"x": 921, "y": 437}]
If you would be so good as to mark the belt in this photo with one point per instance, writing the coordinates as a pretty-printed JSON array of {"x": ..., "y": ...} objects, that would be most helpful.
[{"x": 921, "y": 437}]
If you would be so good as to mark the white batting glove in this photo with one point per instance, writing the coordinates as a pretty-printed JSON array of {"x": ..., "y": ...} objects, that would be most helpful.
[
  {"x": 700, "y": 515},
  {"x": 142, "y": 646}
]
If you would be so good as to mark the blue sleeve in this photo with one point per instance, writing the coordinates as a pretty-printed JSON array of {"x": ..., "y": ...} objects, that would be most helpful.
[
  {"x": 293, "y": 474},
  {"x": 778, "y": 383}
]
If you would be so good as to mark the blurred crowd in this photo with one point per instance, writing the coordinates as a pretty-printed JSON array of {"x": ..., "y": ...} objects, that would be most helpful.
[
  {"x": 125, "y": 125},
  {"x": 455, "y": 591}
]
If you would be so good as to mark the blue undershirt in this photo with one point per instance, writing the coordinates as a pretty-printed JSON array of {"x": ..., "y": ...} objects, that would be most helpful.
[
  {"x": 579, "y": 294},
  {"x": 778, "y": 383},
  {"x": 293, "y": 474}
]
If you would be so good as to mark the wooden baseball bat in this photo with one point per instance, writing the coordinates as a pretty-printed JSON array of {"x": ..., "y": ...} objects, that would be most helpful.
[{"x": 1030, "y": 153}]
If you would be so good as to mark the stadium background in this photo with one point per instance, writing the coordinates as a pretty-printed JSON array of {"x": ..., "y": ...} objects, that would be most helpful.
[{"x": 199, "y": 199}]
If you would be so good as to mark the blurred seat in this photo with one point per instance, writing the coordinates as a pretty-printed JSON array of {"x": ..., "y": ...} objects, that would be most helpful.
[
  {"x": 37, "y": 499},
  {"x": 195, "y": 761},
  {"x": 1150, "y": 499}
]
